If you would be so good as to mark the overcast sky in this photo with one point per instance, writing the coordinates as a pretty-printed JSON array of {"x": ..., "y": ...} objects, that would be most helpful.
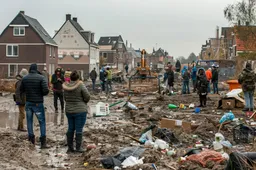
[{"x": 178, "y": 26}]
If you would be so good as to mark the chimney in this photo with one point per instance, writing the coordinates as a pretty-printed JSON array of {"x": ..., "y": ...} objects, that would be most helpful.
[
  {"x": 126, "y": 43},
  {"x": 75, "y": 19},
  {"x": 92, "y": 37},
  {"x": 22, "y": 12},
  {"x": 217, "y": 33},
  {"x": 68, "y": 17},
  {"x": 88, "y": 35}
]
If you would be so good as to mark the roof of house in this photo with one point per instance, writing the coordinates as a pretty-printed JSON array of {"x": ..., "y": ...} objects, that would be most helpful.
[
  {"x": 112, "y": 40},
  {"x": 80, "y": 29},
  {"x": 22, "y": 19}
]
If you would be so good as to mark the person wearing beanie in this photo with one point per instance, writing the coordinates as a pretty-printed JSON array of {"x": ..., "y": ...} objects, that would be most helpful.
[
  {"x": 215, "y": 79},
  {"x": 202, "y": 85},
  {"x": 57, "y": 81},
  {"x": 248, "y": 79},
  {"x": 35, "y": 87},
  {"x": 20, "y": 99}
]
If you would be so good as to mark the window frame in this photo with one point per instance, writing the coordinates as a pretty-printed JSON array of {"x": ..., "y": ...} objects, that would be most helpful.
[
  {"x": 19, "y": 28},
  {"x": 12, "y": 45}
]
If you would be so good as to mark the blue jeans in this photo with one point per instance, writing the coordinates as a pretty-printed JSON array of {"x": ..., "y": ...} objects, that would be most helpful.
[
  {"x": 76, "y": 122},
  {"x": 38, "y": 110},
  {"x": 209, "y": 88},
  {"x": 93, "y": 84},
  {"x": 248, "y": 96},
  {"x": 215, "y": 87},
  {"x": 185, "y": 87}
]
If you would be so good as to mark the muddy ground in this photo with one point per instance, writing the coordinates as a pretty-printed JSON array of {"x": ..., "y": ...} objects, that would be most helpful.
[{"x": 110, "y": 134}]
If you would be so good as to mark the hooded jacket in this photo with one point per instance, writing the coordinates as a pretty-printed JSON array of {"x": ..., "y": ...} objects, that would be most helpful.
[
  {"x": 76, "y": 96},
  {"x": 247, "y": 78},
  {"x": 215, "y": 75},
  {"x": 202, "y": 83},
  {"x": 57, "y": 84},
  {"x": 20, "y": 98},
  {"x": 178, "y": 65},
  {"x": 34, "y": 86},
  {"x": 185, "y": 74},
  {"x": 103, "y": 74},
  {"x": 93, "y": 75},
  {"x": 193, "y": 73}
]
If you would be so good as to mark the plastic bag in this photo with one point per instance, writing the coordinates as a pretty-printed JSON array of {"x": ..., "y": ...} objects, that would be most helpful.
[
  {"x": 161, "y": 144},
  {"x": 131, "y": 161},
  {"x": 228, "y": 116},
  {"x": 146, "y": 137}
]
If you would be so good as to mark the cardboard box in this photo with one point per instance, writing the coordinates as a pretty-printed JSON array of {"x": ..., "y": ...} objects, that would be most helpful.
[
  {"x": 175, "y": 124},
  {"x": 228, "y": 104}
]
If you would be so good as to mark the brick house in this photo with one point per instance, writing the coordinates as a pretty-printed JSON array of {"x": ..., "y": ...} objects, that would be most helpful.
[
  {"x": 23, "y": 42},
  {"x": 77, "y": 49},
  {"x": 111, "y": 48}
]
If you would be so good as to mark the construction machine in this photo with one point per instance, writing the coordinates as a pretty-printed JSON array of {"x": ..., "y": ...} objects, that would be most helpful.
[{"x": 144, "y": 80}]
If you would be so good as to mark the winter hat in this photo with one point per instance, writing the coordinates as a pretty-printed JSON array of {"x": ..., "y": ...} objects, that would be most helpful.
[
  {"x": 33, "y": 68},
  {"x": 248, "y": 65},
  {"x": 23, "y": 72}
]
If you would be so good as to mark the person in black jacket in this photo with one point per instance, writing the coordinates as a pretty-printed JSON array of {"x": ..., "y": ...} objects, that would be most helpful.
[
  {"x": 178, "y": 66},
  {"x": 170, "y": 79},
  {"x": 35, "y": 87},
  {"x": 202, "y": 87},
  {"x": 215, "y": 79},
  {"x": 57, "y": 81}
]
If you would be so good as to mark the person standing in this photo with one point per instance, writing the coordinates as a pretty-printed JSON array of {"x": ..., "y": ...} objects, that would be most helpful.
[
  {"x": 102, "y": 78},
  {"x": 93, "y": 76},
  {"x": 202, "y": 85},
  {"x": 20, "y": 99},
  {"x": 170, "y": 80},
  {"x": 57, "y": 81},
  {"x": 215, "y": 79},
  {"x": 193, "y": 76},
  {"x": 208, "y": 74},
  {"x": 34, "y": 86},
  {"x": 76, "y": 97},
  {"x": 248, "y": 79},
  {"x": 126, "y": 68},
  {"x": 109, "y": 80},
  {"x": 178, "y": 66},
  {"x": 186, "y": 78}
]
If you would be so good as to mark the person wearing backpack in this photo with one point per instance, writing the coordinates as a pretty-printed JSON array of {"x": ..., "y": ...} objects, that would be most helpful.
[
  {"x": 202, "y": 87},
  {"x": 186, "y": 77},
  {"x": 248, "y": 79}
]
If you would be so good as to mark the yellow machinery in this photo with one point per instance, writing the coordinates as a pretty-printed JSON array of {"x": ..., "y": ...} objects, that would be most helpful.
[{"x": 148, "y": 81}]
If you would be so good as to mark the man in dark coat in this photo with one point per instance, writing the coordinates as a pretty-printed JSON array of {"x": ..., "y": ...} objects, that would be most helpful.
[
  {"x": 57, "y": 81},
  {"x": 178, "y": 66},
  {"x": 170, "y": 79},
  {"x": 215, "y": 79},
  {"x": 35, "y": 87},
  {"x": 93, "y": 77},
  {"x": 202, "y": 86},
  {"x": 248, "y": 79}
]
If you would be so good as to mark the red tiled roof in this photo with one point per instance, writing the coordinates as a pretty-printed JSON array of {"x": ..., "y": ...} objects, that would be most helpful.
[{"x": 248, "y": 43}]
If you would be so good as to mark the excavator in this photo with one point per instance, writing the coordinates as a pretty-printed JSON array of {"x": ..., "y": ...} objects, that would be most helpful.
[{"x": 144, "y": 80}]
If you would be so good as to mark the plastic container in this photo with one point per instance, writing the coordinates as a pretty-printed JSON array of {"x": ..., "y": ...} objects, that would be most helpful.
[
  {"x": 172, "y": 106},
  {"x": 102, "y": 109},
  {"x": 233, "y": 84}
]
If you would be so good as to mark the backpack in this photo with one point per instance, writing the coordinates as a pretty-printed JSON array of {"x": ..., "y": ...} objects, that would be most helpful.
[{"x": 186, "y": 75}]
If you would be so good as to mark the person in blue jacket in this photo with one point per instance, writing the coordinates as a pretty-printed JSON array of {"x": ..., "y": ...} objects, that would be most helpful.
[
  {"x": 186, "y": 77},
  {"x": 193, "y": 77}
]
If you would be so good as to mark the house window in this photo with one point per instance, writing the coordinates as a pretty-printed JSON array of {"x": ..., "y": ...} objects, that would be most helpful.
[
  {"x": 60, "y": 56},
  {"x": 19, "y": 31},
  {"x": 12, "y": 50},
  {"x": 12, "y": 70},
  {"x": 53, "y": 52},
  {"x": 105, "y": 55},
  {"x": 50, "y": 51},
  {"x": 76, "y": 56}
]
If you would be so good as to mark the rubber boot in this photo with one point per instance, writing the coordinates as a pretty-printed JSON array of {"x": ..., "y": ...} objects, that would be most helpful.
[
  {"x": 70, "y": 139},
  {"x": 43, "y": 143},
  {"x": 79, "y": 141},
  {"x": 31, "y": 139}
]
